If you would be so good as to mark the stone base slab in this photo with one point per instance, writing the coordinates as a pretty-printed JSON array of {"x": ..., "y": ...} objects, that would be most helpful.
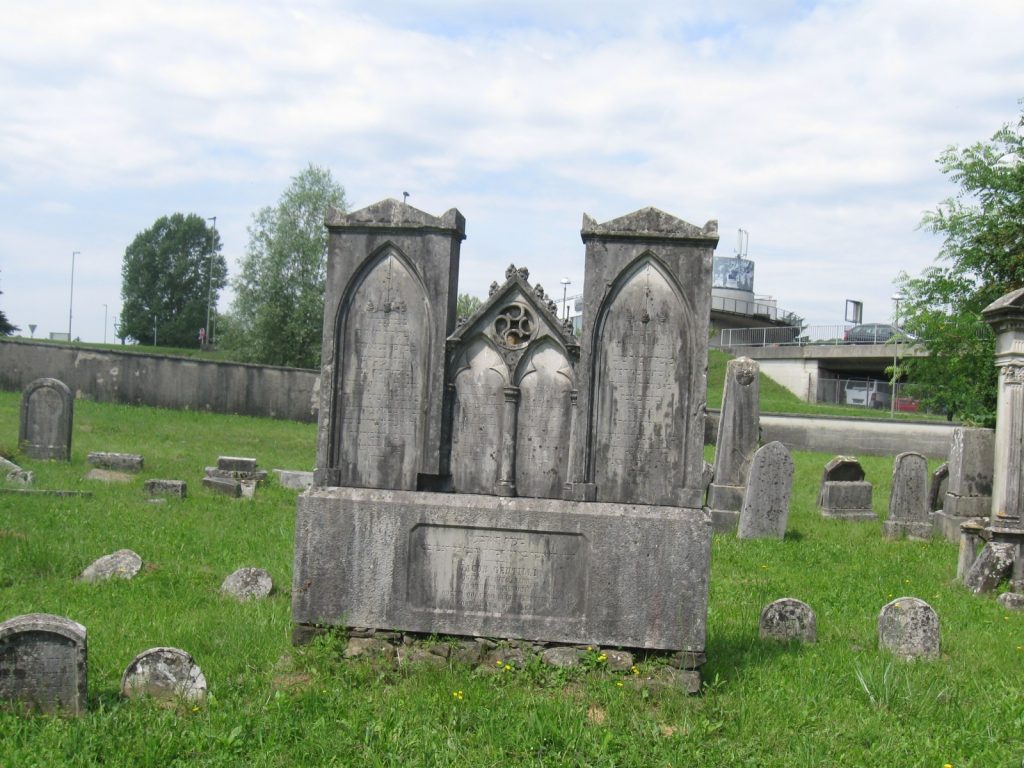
[
  {"x": 948, "y": 526},
  {"x": 846, "y": 500},
  {"x": 625, "y": 575},
  {"x": 726, "y": 497},
  {"x": 898, "y": 529},
  {"x": 725, "y": 520},
  {"x": 966, "y": 507}
]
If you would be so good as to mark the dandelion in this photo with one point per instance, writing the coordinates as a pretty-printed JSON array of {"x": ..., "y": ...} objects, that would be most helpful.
[
  {"x": 457, "y": 695},
  {"x": 634, "y": 670},
  {"x": 764, "y": 567},
  {"x": 498, "y": 663},
  {"x": 602, "y": 659},
  {"x": 195, "y": 709},
  {"x": 619, "y": 683},
  {"x": 508, "y": 667},
  {"x": 947, "y": 765}
]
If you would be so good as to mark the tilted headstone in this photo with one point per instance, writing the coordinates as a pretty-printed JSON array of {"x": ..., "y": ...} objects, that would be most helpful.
[
  {"x": 123, "y": 564},
  {"x": 938, "y": 486},
  {"x": 642, "y": 391},
  {"x": 765, "y": 511},
  {"x": 47, "y": 412},
  {"x": 164, "y": 673},
  {"x": 970, "y": 540},
  {"x": 908, "y": 500},
  {"x": 969, "y": 487},
  {"x": 844, "y": 492},
  {"x": 248, "y": 584},
  {"x": 993, "y": 566},
  {"x": 43, "y": 663},
  {"x": 121, "y": 462},
  {"x": 392, "y": 274},
  {"x": 178, "y": 488},
  {"x": 739, "y": 430},
  {"x": 788, "y": 619},
  {"x": 513, "y": 367},
  {"x": 14, "y": 474},
  {"x": 909, "y": 628}
]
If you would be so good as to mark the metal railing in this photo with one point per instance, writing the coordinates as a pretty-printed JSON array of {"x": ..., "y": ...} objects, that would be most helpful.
[
  {"x": 755, "y": 308},
  {"x": 796, "y": 335}
]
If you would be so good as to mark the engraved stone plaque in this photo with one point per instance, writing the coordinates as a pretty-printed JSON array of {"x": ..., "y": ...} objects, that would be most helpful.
[
  {"x": 47, "y": 407},
  {"x": 476, "y": 437},
  {"x": 488, "y": 570},
  {"x": 43, "y": 663},
  {"x": 542, "y": 442}
]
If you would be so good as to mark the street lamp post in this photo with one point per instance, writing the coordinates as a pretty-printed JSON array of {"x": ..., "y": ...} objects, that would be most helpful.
[
  {"x": 897, "y": 298},
  {"x": 104, "y": 323},
  {"x": 566, "y": 282},
  {"x": 71, "y": 301},
  {"x": 209, "y": 285}
]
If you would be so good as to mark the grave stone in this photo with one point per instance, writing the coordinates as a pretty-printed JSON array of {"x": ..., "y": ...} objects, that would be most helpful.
[
  {"x": 163, "y": 673},
  {"x": 43, "y": 663},
  {"x": 391, "y": 289},
  {"x": 236, "y": 464},
  {"x": 970, "y": 538},
  {"x": 739, "y": 430},
  {"x": 14, "y": 474},
  {"x": 1011, "y": 601},
  {"x": 765, "y": 511},
  {"x": 908, "y": 502},
  {"x": 909, "y": 628},
  {"x": 108, "y": 476},
  {"x": 123, "y": 564},
  {"x": 248, "y": 584},
  {"x": 223, "y": 485},
  {"x": 294, "y": 479},
  {"x": 47, "y": 412},
  {"x": 178, "y": 488},
  {"x": 121, "y": 462},
  {"x": 992, "y": 566},
  {"x": 969, "y": 488},
  {"x": 938, "y": 487},
  {"x": 788, "y": 619},
  {"x": 844, "y": 491}
]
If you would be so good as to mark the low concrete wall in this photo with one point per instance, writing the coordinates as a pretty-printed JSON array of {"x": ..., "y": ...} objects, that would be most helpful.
[
  {"x": 166, "y": 382},
  {"x": 850, "y": 437}
]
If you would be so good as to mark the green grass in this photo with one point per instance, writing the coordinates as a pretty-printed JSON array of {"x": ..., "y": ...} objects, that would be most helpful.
[{"x": 839, "y": 702}]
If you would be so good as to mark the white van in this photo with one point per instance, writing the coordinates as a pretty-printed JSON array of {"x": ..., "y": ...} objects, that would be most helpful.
[{"x": 870, "y": 394}]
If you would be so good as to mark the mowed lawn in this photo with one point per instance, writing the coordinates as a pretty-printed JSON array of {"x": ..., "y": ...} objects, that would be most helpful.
[{"x": 838, "y": 702}]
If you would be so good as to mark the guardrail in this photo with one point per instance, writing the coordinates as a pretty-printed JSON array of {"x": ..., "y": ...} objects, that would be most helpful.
[
  {"x": 755, "y": 308},
  {"x": 794, "y": 335}
]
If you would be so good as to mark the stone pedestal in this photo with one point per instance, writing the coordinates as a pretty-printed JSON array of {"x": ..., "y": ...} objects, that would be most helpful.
[
  {"x": 844, "y": 493},
  {"x": 969, "y": 485}
]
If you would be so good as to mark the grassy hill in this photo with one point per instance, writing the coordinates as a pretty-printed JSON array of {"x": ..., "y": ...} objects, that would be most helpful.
[{"x": 838, "y": 702}]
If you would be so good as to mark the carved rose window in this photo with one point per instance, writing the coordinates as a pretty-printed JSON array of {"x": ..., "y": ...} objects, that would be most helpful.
[{"x": 514, "y": 326}]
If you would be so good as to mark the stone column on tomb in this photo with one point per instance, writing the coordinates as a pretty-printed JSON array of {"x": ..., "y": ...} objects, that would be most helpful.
[
  {"x": 1006, "y": 316},
  {"x": 506, "y": 486}
]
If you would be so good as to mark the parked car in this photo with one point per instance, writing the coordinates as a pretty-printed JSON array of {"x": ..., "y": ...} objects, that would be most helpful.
[
  {"x": 871, "y": 394},
  {"x": 875, "y": 333},
  {"x": 908, "y": 404}
]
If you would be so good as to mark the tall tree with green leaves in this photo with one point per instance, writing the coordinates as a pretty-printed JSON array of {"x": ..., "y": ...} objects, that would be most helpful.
[
  {"x": 171, "y": 274},
  {"x": 982, "y": 258},
  {"x": 277, "y": 314}
]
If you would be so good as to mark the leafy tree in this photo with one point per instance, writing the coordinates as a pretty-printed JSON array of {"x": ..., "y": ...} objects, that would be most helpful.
[
  {"x": 6, "y": 328},
  {"x": 170, "y": 272},
  {"x": 277, "y": 314},
  {"x": 983, "y": 255},
  {"x": 467, "y": 304}
]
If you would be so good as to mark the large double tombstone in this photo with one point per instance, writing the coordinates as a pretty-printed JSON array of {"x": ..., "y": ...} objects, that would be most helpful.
[{"x": 498, "y": 477}]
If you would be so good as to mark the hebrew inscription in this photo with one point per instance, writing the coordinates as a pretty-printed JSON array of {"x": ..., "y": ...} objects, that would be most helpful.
[
  {"x": 382, "y": 355},
  {"x": 640, "y": 391},
  {"x": 490, "y": 570}
]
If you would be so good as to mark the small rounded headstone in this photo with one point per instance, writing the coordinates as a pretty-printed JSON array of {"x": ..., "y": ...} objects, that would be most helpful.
[
  {"x": 123, "y": 564},
  {"x": 247, "y": 584},
  {"x": 909, "y": 628},
  {"x": 788, "y": 619},
  {"x": 1012, "y": 601},
  {"x": 164, "y": 673}
]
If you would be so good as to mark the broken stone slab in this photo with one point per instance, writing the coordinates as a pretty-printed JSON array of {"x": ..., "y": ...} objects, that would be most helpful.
[
  {"x": 248, "y": 488},
  {"x": 45, "y": 492},
  {"x": 123, "y": 564},
  {"x": 12, "y": 473},
  {"x": 248, "y": 584},
  {"x": 178, "y": 488},
  {"x": 43, "y": 663},
  {"x": 122, "y": 462},
  {"x": 257, "y": 476},
  {"x": 295, "y": 479},
  {"x": 1011, "y": 601},
  {"x": 108, "y": 476},
  {"x": 164, "y": 673},
  {"x": 788, "y": 619},
  {"x": 909, "y": 628},
  {"x": 992, "y": 566},
  {"x": 223, "y": 485},
  {"x": 236, "y": 464}
]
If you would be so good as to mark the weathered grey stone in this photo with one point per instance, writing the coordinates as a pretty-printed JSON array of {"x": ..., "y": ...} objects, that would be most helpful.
[
  {"x": 14, "y": 474},
  {"x": 166, "y": 674},
  {"x": 43, "y": 663},
  {"x": 374, "y": 647},
  {"x": 414, "y": 654},
  {"x": 122, "y": 462},
  {"x": 45, "y": 492},
  {"x": 618, "y": 661},
  {"x": 969, "y": 487},
  {"x": 739, "y": 429},
  {"x": 908, "y": 500},
  {"x": 513, "y": 372},
  {"x": 846, "y": 500},
  {"x": 223, "y": 485},
  {"x": 236, "y": 464},
  {"x": 248, "y": 584},
  {"x": 909, "y": 628},
  {"x": 255, "y": 476},
  {"x": 992, "y": 567},
  {"x": 938, "y": 486},
  {"x": 562, "y": 656},
  {"x": 788, "y": 619},
  {"x": 1011, "y": 601},
  {"x": 844, "y": 469},
  {"x": 108, "y": 476},
  {"x": 248, "y": 489},
  {"x": 468, "y": 652},
  {"x": 970, "y": 540},
  {"x": 47, "y": 412},
  {"x": 295, "y": 479},
  {"x": 765, "y": 511},
  {"x": 619, "y": 575},
  {"x": 178, "y": 488},
  {"x": 663, "y": 678},
  {"x": 389, "y": 305},
  {"x": 502, "y": 659},
  {"x": 639, "y": 433},
  {"x": 123, "y": 564}
]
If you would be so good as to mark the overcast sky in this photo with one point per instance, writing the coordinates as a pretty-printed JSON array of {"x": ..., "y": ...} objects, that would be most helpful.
[{"x": 814, "y": 126}]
